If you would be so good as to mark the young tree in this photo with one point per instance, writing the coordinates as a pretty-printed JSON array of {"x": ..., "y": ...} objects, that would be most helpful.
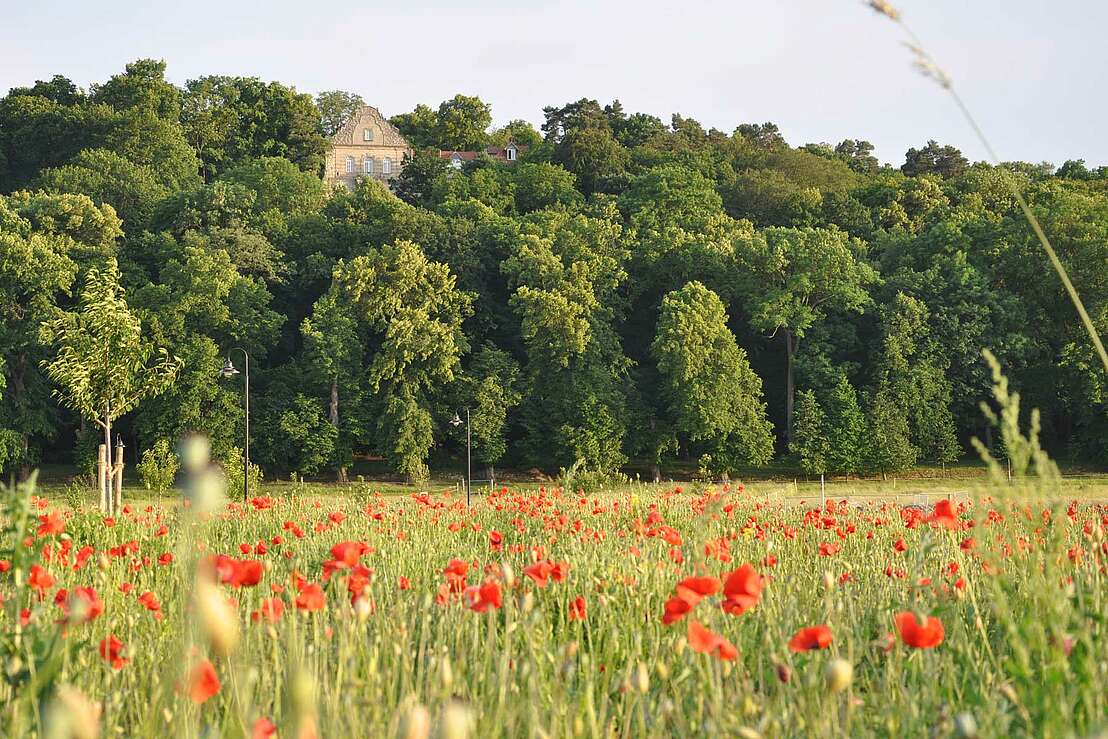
[
  {"x": 888, "y": 448},
  {"x": 810, "y": 443},
  {"x": 103, "y": 367},
  {"x": 846, "y": 428},
  {"x": 713, "y": 395},
  {"x": 490, "y": 388}
]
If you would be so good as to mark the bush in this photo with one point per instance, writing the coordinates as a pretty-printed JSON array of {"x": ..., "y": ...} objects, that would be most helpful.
[
  {"x": 231, "y": 463},
  {"x": 158, "y": 467}
]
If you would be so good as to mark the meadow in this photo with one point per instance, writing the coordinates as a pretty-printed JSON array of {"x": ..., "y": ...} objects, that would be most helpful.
[{"x": 684, "y": 610}]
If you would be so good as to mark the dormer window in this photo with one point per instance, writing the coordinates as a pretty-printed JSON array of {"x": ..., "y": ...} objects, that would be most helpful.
[
  {"x": 350, "y": 165},
  {"x": 367, "y": 134},
  {"x": 367, "y": 165},
  {"x": 386, "y": 166},
  {"x": 456, "y": 161},
  {"x": 510, "y": 153}
]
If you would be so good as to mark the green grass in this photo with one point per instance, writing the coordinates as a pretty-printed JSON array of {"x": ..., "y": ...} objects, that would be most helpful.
[{"x": 1023, "y": 652}]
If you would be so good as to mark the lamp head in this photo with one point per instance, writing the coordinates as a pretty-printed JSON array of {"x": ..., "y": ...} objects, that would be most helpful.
[
  {"x": 456, "y": 420},
  {"x": 228, "y": 369}
]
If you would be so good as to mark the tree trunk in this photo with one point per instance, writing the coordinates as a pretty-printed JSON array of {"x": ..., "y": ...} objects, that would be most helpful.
[
  {"x": 790, "y": 384},
  {"x": 108, "y": 451},
  {"x": 656, "y": 472},
  {"x": 334, "y": 416}
]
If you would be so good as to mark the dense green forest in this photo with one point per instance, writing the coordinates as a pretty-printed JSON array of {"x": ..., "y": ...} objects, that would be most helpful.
[{"x": 630, "y": 290}]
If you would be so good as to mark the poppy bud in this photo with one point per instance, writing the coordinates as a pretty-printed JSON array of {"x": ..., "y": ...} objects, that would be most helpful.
[
  {"x": 784, "y": 674},
  {"x": 838, "y": 675},
  {"x": 103, "y": 562},
  {"x": 828, "y": 581},
  {"x": 219, "y": 622},
  {"x": 363, "y": 608},
  {"x": 416, "y": 723},
  {"x": 447, "y": 673},
  {"x": 457, "y": 720},
  {"x": 642, "y": 678},
  {"x": 965, "y": 725},
  {"x": 748, "y": 733},
  {"x": 527, "y": 602},
  {"x": 73, "y": 715}
]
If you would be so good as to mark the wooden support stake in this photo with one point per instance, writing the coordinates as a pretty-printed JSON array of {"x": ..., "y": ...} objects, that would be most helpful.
[
  {"x": 102, "y": 476},
  {"x": 117, "y": 474}
]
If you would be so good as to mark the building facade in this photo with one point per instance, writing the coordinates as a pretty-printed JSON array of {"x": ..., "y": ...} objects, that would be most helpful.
[{"x": 367, "y": 146}]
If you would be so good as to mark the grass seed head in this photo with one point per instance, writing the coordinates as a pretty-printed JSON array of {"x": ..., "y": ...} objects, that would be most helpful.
[{"x": 838, "y": 675}]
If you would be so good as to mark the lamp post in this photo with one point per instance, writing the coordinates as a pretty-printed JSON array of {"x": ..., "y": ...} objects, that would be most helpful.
[
  {"x": 230, "y": 371},
  {"x": 455, "y": 422}
]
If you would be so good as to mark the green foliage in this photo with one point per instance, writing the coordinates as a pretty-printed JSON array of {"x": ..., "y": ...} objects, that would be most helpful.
[
  {"x": 712, "y": 393},
  {"x": 887, "y": 444},
  {"x": 309, "y": 435},
  {"x": 158, "y": 467},
  {"x": 103, "y": 366},
  {"x": 232, "y": 462},
  {"x": 810, "y": 441},
  {"x": 335, "y": 108},
  {"x": 846, "y": 428}
]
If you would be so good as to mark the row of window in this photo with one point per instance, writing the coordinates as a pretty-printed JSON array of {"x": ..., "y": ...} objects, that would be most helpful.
[{"x": 368, "y": 165}]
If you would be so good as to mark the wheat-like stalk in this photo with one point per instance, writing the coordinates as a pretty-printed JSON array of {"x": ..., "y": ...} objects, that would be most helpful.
[{"x": 926, "y": 64}]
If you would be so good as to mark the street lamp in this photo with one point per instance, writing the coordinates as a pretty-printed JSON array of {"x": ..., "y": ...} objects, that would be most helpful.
[
  {"x": 230, "y": 371},
  {"x": 456, "y": 421}
]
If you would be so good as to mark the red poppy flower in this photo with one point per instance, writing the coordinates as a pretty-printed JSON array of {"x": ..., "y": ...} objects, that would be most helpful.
[
  {"x": 404, "y": 583},
  {"x": 705, "y": 641},
  {"x": 51, "y": 523},
  {"x": 926, "y": 635},
  {"x": 811, "y": 637},
  {"x": 899, "y": 545},
  {"x": 349, "y": 552},
  {"x": 496, "y": 541},
  {"x": 676, "y": 609},
  {"x": 150, "y": 600},
  {"x": 539, "y": 572},
  {"x": 742, "y": 590},
  {"x": 165, "y": 559},
  {"x": 40, "y": 580},
  {"x": 311, "y": 598},
  {"x": 483, "y": 597},
  {"x": 82, "y": 605},
  {"x": 246, "y": 573},
  {"x": 944, "y": 515},
  {"x": 693, "y": 589},
  {"x": 111, "y": 649},
  {"x": 577, "y": 609},
  {"x": 203, "y": 682},
  {"x": 263, "y": 729},
  {"x": 455, "y": 573},
  {"x": 270, "y": 609},
  {"x": 828, "y": 549}
]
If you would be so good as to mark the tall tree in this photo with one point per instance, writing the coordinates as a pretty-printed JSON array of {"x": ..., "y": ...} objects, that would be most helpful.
[
  {"x": 414, "y": 315},
  {"x": 335, "y": 108},
  {"x": 103, "y": 367},
  {"x": 797, "y": 275},
  {"x": 711, "y": 392}
]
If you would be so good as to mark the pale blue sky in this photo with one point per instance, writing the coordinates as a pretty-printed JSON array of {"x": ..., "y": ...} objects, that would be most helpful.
[{"x": 823, "y": 70}]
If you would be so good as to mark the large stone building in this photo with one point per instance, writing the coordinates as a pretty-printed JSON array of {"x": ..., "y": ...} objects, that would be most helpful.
[{"x": 367, "y": 145}]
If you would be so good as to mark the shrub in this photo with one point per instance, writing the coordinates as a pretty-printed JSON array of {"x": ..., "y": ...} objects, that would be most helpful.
[{"x": 158, "y": 467}]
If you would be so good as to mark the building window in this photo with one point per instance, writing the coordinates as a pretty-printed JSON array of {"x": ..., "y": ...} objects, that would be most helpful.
[
  {"x": 456, "y": 162},
  {"x": 511, "y": 153},
  {"x": 350, "y": 165},
  {"x": 367, "y": 134},
  {"x": 386, "y": 166},
  {"x": 367, "y": 165}
]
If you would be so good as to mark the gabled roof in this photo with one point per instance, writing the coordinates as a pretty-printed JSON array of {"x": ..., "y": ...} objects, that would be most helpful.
[{"x": 368, "y": 114}]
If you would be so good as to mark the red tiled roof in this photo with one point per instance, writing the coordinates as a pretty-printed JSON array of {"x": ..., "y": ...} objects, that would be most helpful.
[{"x": 496, "y": 152}]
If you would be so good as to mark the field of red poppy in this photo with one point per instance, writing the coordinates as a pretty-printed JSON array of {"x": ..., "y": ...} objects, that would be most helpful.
[{"x": 697, "y": 611}]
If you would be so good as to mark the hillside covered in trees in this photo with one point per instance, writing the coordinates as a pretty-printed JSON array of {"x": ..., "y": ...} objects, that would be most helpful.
[{"x": 630, "y": 289}]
